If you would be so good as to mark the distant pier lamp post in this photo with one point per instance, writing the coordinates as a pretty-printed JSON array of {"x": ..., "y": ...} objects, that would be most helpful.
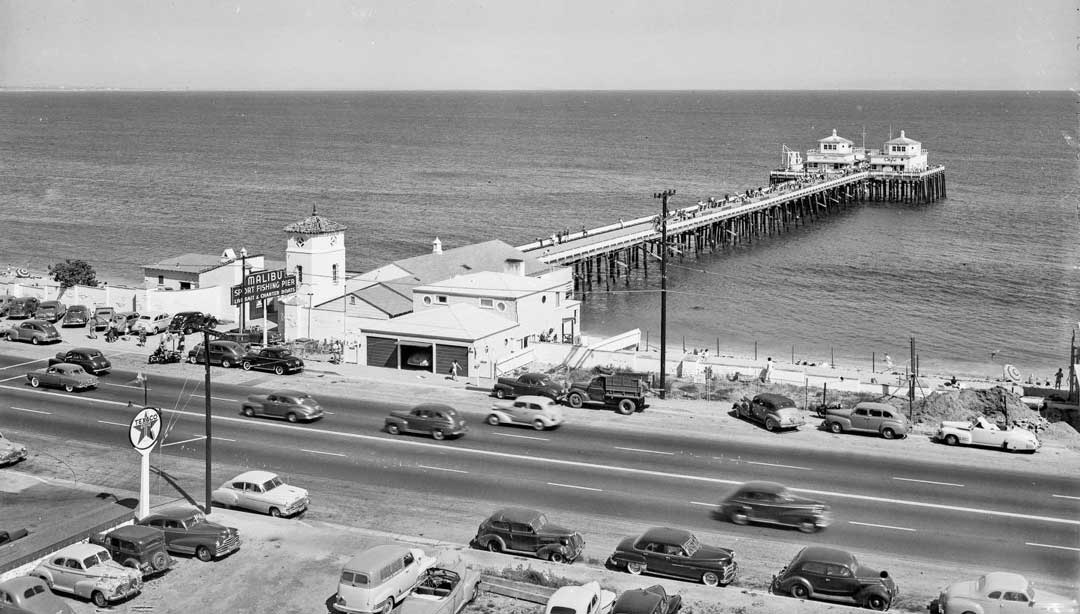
[{"x": 663, "y": 196}]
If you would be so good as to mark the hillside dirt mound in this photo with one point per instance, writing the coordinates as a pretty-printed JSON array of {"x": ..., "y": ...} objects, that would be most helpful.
[{"x": 997, "y": 405}]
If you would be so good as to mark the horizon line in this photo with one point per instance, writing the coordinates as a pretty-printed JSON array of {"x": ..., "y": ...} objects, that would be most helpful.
[{"x": 68, "y": 89}]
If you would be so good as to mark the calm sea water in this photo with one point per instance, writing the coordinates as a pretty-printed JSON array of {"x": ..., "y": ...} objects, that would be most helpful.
[{"x": 125, "y": 179}]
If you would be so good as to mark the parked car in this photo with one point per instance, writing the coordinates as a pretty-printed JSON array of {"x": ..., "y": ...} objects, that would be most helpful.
[
  {"x": 445, "y": 589},
  {"x": 6, "y": 537},
  {"x": 30, "y": 595},
  {"x": 774, "y": 411},
  {"x": 102, "y": 317},
  {"x": 623, "y": 392},
  {"x": 76, "y": 315},
  {"x": 675, "y": 553},
  {"x": 188, "y": 322},
  {"x": 520, "y": 530},
  {"x": 50, "y": 311},
  {"x": 125, "y": 320},
  {"x": 868, "y": 417},
  {"x": 587, "y": 598},
  {"x": 187, "y": 531},
  {"x": 22, "y": 307},
  {"x": 818, "y": 572},
  {"x": 291, "y": 405},
  {"x": 534, "y": 384},
  {"x": 5, "y": 302},
  {"x": 152, "y": 323},
  {"x": 261, "y": 491},
  {"x": 87, "y": 571},
  {"x": 652, "y": 600},
  {"x": 63, "y": 375},
  {"x": 34, "y": 331},
  {"x": 1004, "y": 592},
  {"x": 225, "y": 353},
  {"x": 376, "y": 579},
  {"x": 11, "y": 452},
  {"x": 535, "y": 411},
  {"x": 90, "y": 359},
  {"x": 772, "y": 503},
  {"x": 277, "y": 359},
  {"x": 436, "y": 419},
  {"x": 136, "y": 546},
  {"x": 981, "y": 432}
]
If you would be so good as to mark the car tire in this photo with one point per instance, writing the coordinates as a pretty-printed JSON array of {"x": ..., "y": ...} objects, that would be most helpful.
[
  {"x": 275, "y": 512},
  {"x": 877, "y": 602},
  {"x": 888, "y": 433},
  {"x": 951, "y": 440},
  {"x": 291, "y": 417},
  {"x": 799, "y": 591},
  {"x": 539, "y": 425},
  {"x": 387, "y": 606},
  {"x": 69, "y": 388},
  {"x": 246, "y": 366},
  {"x": 193, "y": 360},
  {"x": 393, "y": 429},
  {"x": 188, "y": 330},
  {"x": 808, "y": 526},
  {"x": 249, "y": 411},
  {"x": 493, "y": 420},
  {"x": 203, "y": 554},
  {"x": 132, "y": 563},
  {"x": 279, "y": 370},
  {"x": 160, "y": 561},
  {"x": 500, "y": 393},
  {"x": 494, "y": 545},
  {"x": 34, "y": 340},
  {"x": 635, "y": 568},
  {"x": 626, "y": 406},
  {"x": 740, "y": 517},
  {"x": 710, "y": 579},
  {"x": 575, "y": 400},
  {"x": 438, "y": 435},
  {"x": 226, "y": 363},
  {"x": 35, "y": 382},
  {"x": 557, "y": 557},
  {"x": 99, "y": 599},
  {"x": 836, "y": 427},
  {"x": 771, "y": 425}
]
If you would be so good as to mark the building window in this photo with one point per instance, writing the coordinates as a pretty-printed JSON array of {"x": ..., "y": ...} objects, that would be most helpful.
[
  {"x": 524, "y": 342},
  {"x": 543, "y": 299},
  {"x": 501, "y": 306},
  {"x": 486, "y": 303},
  {"x": 427, "y": 300},
  {"x": 185, "y": 285},
  {"x": 333, "y": 272},
  {"x": 161, "y": 280},
  {"x": 441, "y": 299},
  {"x": 352, "y": 300},
  {"x": 299, "y": 274}
]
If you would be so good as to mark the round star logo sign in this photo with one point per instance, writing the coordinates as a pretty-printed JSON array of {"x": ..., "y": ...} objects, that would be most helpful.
[{"x": 145, "y": 428}]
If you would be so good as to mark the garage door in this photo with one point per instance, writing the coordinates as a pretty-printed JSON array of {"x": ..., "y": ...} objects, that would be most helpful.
[
  {"x": 447, "y": 354},
  {"x": 382, "y": 352}
]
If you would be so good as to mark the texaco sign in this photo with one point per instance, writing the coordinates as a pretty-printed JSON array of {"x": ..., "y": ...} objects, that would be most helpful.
[{"x": 145, "y": 429}]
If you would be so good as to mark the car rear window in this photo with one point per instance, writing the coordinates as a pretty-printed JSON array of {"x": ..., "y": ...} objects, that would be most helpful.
[
  {"x": 354, "y": 579},
  {"x": 558, "y": 609}
]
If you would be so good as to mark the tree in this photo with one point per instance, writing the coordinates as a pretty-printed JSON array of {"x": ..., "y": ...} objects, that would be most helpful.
[{"x": 73, "y": 272}]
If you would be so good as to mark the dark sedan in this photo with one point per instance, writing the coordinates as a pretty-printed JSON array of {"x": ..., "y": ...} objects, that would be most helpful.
[
  {"x": 652, "y": 600},
  {"x": 675, "y": 553},
  {"x": 91, "y": 360},
  {"x": 51, "y": 311},
  {"x": 276, "y": 359},
  {"x": 76, "y": 315},
  {"x": 772, "y": 503}
]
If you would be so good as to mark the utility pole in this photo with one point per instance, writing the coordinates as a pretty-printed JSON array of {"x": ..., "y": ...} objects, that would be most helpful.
[
  {"x": 243, "y": 289},
  {"x": 663, "y": 196},
  {"x": 209, "y": 429}
]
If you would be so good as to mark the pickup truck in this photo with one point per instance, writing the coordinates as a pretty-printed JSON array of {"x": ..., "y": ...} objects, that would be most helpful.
[
  {"x": 535, "y": 384},
  {"x": 625, "y": 392}
]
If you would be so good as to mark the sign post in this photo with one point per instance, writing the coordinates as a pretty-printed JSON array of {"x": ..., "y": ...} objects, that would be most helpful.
[{"x": 143, "y": 433}]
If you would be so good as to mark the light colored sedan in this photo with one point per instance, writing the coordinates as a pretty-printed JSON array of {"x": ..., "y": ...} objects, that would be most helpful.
[
  {"x": 1004, "y": 592},
  {"x": 10, "y": 452},
  {"x": 588, "y": 598},
  {"x": 535, "y": 411},
  {"x": 152, "y": 323},
  {"x": 64, "y": 375},
  {"x": 982, "y": 432},
  {"x": 261, "y": 491}
]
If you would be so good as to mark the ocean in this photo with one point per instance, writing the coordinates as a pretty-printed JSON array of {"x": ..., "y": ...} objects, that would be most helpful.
[{"x": 986, "y": 277}]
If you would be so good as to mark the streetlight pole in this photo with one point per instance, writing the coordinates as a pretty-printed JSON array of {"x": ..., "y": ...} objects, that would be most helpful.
[
  {"x": 309, "y": 314},
  {"x": 663, "y": 196},
  {"x": 209, "y": 429},
  {"x": 243, "y": 288}
]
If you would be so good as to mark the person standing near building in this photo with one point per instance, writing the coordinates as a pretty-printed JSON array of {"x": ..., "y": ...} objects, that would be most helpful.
[
  {"x": 180, "y": 344},
  {"x": 454, "y": 368},
  {"x": 1057, "y": 379},
  {"x": 766, "y": 373}
]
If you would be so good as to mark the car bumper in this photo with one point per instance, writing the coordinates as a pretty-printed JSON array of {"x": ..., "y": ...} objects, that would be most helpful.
[
  {"x": 297, "y": 506},
  {"x": 231, "y": 544},
  {"x": 129, "y": 589},
  {"x": 727, "y": 574}
]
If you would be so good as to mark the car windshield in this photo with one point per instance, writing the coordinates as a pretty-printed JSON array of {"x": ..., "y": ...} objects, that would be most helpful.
[
  {"x": 94, "y": 559},
  {"x": 194, "y": 519},
  {"x": 272, "y": 484},
  {"x": 692, "y": 545},
  {"x": 540, "y": 521}
]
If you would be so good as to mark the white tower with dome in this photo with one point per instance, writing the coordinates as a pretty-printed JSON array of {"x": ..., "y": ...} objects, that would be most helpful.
[{"x": 316, "y": 255}]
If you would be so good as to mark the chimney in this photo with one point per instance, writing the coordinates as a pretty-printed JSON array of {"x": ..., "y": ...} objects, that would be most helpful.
[
  {"x": 514, "y": 266},
  {"x": 436, "y": 246}
]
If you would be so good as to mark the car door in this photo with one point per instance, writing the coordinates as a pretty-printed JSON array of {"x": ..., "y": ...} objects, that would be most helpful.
[
  {"x": 1015, "y": 602},
  {"x": 662, "y": 559},
  {"x": 523, "y": 537},
  {"x": 257, "y": 497},
  {"x": 517, "y": 411},
  {"x": 860, "y": 419},
  {"x": 420, "y": 421},
  {"x": 69, "y": 574},
  {"x": 986, "y": 437},
  {"x": 766, "y": 507},
  {"x": 272, "y": 406},
  {"x": 814, "y": 573},
  {"x": 51, "y": 377},
  {"x": 841, "y": 580}
]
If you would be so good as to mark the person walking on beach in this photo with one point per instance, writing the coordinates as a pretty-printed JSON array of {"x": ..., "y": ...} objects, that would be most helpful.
[
  {"x": 766, "y": 373},
  {"x": 454, "y": 368},
  {"x": 1057, "y": 379}
]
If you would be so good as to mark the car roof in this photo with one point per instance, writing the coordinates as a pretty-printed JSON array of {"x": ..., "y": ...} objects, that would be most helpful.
[
  {"x": 666, "y": 535},
  {"x": 19, "y": 584},
  {"x": 772, "y": 488},
  {"x": 175, "y": 512},
  {"x": 571, "y": 595},
  {"x": 1006, "y": 581},
  {"x": 84, "y": 350},
  {"x": 875, "y": 405},
  {"x": 435, "y": 407},
  {"x": 291, "y": 393},
  {"x": 522, "y": 515},
  {"x": 78, "y": 551},
  {"x": 43, "y": 303},
  {"x": 637, "y": 600},
  {"x": 825, "y": 555},
  {"x": 254, "y": 476},
  {"x": 374, "y": 559},
  {"x": 776, "y": 399},
  {"x": 535, "y": 398},
  {"x": 134, "y": 531}
]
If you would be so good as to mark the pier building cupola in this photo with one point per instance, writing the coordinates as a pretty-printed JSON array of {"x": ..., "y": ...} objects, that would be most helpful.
[
  {"x": 316, "y": 255},
  {"x": 834, "y": 154}
]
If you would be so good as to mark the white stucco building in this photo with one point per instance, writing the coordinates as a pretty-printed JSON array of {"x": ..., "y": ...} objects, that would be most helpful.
[
  {"x": 834, "y": 153},
  {"x": 900, "y": 155}
]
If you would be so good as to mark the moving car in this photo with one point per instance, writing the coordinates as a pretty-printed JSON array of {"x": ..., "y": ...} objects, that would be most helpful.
[
  {"x": 261, "y": 491},
  {"x": 30, "y": 595},
  {"x": 276, "y": 359},
  {"x": 11, "y": 452},
  {"x": 50, "y": 311},
  {"x": 376, "y": 579},
  {"x": 436, "y": 419},
  {"x": 818, "y": 572},
  {"x": 675, "y": 553},
  {"x": 445, "y": 589},
  {"x": 187, "y": 531},
  {"x": 520, "y": 530},
  {"x": 535, "y": 411},
  {"x": 774, "y": 411},
  {"x": 1004, "y": 592},
  {"x": 76, "y": 315},
  {"x": 982, "y": 432},
  {"x": 87, "y": 571},
  {"x": 136, "y": 546},
  {"x": 22, "y": 307},
  {"x": 63, "y": 375},
  {"x": 90, "y": 359},
  {"x": 152, "y": 323},
  {"x": 534, "y": 384},
  {"x": 34, "y": 331},
  {"x": 652, "y": 600},
  {"x": 772, "y": 503},
  {"x": 868, "y": 417},
  {"x": 291, "y": 405},
  {"x": 228, "y": 354},
  {"x": 587, "y": 598}
]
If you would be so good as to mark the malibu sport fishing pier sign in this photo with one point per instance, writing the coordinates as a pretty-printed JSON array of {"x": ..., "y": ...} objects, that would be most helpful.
[{"x": 263, "y": 285}]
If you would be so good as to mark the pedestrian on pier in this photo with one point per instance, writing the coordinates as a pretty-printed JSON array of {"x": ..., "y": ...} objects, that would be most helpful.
[
  {"x": 1057, "y": 379},
  {"x": 621, "y": 223},
  {"x": 554, "y": 238},
  {"x": 584, "y": 232}
]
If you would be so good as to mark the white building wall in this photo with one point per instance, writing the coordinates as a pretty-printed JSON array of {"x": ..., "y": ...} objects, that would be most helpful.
[{"x": 317, "y": 256}]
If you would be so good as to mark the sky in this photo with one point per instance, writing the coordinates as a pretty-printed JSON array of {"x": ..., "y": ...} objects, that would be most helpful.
[{"x": 540, "y": 44}]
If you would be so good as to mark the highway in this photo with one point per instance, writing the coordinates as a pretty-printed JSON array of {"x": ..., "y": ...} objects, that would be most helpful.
[{"x": 973, "y": 517}]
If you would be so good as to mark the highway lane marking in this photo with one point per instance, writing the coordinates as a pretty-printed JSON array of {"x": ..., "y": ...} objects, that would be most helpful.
[
  {"x": 34, "y": 411},
  {"x": 177, "y": 443},
  {"x": 1052, "y": 546},
  {"x": 441, "y": 469},
  {"x": 645, "y": 451},
  {"x": 125, "y": 386},
  {"x": 929, "y": 482},
  {"x": 585, "y": 465},
  {"x": 113, "y": 423},
  {"x": 23, "y": 364},
  {"x": 8, "y": 379},
  {"x": 321, "y": 452},
  {"x": 203, "y": 395},
  {"x": 881, "y": 526},
  {"x": 522, "y": 436},
  {"x": 776, "y": 465},
  {"x": 575, "y": 487},
  {"x": 702, "y": 503},
  {"x": 1058, "y": 496}
]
